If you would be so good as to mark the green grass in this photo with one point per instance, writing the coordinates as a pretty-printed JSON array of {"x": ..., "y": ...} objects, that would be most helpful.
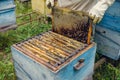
[
  {"x": 12, "y": 37},
  {"x": 6, "y": 67},
  {"x": 107, "y": 71}
]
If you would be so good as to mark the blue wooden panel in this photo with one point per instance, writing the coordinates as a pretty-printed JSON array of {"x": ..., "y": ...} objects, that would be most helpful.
[
  {"x": 28, "y": 69},
  {"x": 109, "y": 34},
  {"x": 111, "y": 18},
  {"x": 4, "y": 4},
  {"x": 89, "y": 57},
  {"x": 107, "y": 47},
  {"x": 7, "y": 13},
  {"x": 7, "y": 17}
]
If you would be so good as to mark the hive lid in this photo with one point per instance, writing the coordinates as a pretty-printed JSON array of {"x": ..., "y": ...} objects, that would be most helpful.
[
  {"x": 73, "y": 24},
  {"x": 51, "y": 49},
  {"x": 6, "y": 4}
]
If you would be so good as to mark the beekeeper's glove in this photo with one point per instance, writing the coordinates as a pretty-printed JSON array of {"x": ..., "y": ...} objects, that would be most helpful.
[
  {"x": 50, "y": 3},
  {"x": 97, "y": 12}
]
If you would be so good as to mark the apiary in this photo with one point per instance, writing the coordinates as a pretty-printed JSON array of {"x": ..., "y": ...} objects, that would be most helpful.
[
  {"x": 51, "y": 56},
  {"x": 7, "y": 13}
]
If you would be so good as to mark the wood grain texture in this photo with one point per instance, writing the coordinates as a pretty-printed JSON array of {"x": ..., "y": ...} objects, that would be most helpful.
[
  {"x": 29, "y": 69},
  {"x": 108, "y": 42}
]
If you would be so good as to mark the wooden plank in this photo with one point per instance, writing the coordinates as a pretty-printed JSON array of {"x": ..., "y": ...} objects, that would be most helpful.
[
  {"x": 99, "y": 62},
  {"x": 35, "y": 58},
  {"x": 39, "y": 6},
  {"x": 89, "y": 34},
  {"x": 109, "y": 34},
  {"x": 51, "y": 48},
  {"x": 4, "y": 29},
  {"x": 107, "y": 47}
]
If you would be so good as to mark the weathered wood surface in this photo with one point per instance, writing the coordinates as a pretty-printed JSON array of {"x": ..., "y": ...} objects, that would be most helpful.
[
  {"x": 24, "y": 0},
  {"x": 111, "y": 18},
  {"x": 4, "y": 29},
  {"x": 73, "y": 24},
  {"x": 52, "y": 50},
  {"x": 109, "y": 34},
  {"x": 7, "y": 13},
  {"x": 99, "y": 62},
  {"x": 39, "y": 6},
  {"x": 6, "y": 4},
  {"x": 27, "y": 68},
  {"x": 108, "y": 42}
]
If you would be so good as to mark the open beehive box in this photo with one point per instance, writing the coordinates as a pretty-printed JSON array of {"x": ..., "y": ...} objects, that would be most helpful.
[
  {"x": 53, "y": 56},
  {"x": 51, "y": 49},
  {"x": 73, "y": 24}
]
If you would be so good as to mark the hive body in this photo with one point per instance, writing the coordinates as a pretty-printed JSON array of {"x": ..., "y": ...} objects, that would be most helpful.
[
  {"x": 108, "y": 33},
  {"x": 28, "y": 67},
  {"x": 108, "y": 42},
  {"x": 111, "y": 20},
  {"x": 7, "y": 13}
]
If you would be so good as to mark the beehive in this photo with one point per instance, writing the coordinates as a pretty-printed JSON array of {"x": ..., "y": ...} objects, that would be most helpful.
[
  {"x": 7, "y": 13},
  {"x": 40, "y": 6},
  {"x": 108, "y": 42},
  {"x": 51, "y": 56},
  {"x": 108, "y": 33},
  {"x": 111, "y": 19}
]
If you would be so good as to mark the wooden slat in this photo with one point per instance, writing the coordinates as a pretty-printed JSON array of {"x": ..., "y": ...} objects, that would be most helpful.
[
  {"x": 51, "y": 48},
  {"x": 4, "y": 29},
  {"x": 36, "y": 58},
  {"x": 41, "y": 52}
]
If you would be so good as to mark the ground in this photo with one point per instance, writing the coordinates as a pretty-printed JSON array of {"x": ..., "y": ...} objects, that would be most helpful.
[{"x": 108, "y": 71}]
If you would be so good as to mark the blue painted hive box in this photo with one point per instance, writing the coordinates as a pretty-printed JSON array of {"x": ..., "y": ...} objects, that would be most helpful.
[
  {"x": 111, "y": 19},
  {"x": 7, "y": 13},
  {"x": 51, "y": 56},
  {"x": 108, "y": 42},
  {"x": 108, "y": 33}
]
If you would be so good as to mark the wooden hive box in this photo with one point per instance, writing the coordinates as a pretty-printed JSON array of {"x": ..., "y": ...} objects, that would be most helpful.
[
  {"x": 111, "y": 19},
  {"x": 108, "y": 42},
  {"x": 7, "y": 13},
  {"x": 50, "y": 56},
  {"x": 40, "y": 7},
  {"x": 108, "y": 32}
]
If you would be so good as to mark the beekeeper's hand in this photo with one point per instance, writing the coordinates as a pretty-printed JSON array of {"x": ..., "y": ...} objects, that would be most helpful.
[
  {"x": 97, "y": 12},
  {"x": 50, "y": 3}
]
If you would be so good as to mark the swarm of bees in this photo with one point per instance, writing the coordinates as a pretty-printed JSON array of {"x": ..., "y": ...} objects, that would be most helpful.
[{"x": 73, "y": 24}]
